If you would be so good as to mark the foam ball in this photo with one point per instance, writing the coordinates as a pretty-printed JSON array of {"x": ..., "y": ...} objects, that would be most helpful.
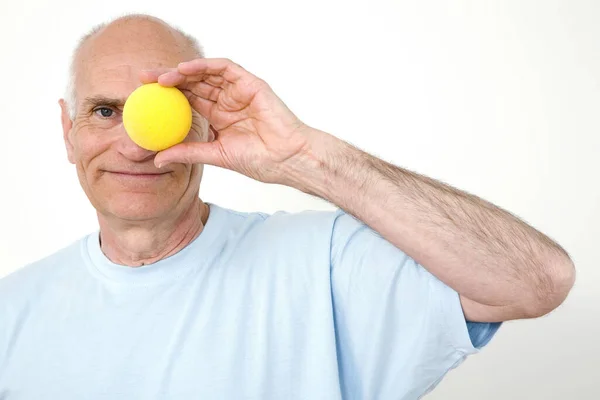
[{"x": 157, "y": 117}]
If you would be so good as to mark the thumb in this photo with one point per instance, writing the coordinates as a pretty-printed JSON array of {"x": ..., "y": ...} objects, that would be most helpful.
[{"x": 191, "y": 153}]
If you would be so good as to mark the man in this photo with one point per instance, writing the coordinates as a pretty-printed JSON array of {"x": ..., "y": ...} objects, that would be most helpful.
[{"x": 174, "y": 298}]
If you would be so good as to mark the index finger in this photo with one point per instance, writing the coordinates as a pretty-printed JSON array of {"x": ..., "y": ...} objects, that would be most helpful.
[
  {"x": 223, "y": 67},
  {"x": 151, "y": 75}
]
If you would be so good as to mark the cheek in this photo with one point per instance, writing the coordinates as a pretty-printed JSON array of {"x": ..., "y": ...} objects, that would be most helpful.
[{"x": 91, "y": 141}]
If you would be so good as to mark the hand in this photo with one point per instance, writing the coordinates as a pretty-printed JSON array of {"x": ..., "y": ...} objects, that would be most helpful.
[{"x": 254, "y": 131}]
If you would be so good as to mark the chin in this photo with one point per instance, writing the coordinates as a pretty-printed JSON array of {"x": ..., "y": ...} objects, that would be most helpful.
[{"x": 139, "y": 206}]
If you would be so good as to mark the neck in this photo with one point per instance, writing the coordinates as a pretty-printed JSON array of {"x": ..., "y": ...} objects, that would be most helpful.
[{"x": 135, "y": 244}]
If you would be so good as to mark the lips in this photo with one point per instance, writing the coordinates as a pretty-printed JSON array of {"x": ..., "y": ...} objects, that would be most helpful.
[{"x": 138, "y": 173}]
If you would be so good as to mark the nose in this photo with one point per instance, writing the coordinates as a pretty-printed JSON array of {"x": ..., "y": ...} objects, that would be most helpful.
[{"x": 132, "y": 151}]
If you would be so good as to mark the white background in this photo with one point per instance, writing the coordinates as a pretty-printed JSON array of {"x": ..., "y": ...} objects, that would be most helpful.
[{"x": 499, "y": 98}]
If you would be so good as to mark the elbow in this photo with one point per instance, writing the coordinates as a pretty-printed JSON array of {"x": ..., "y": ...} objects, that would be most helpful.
[{"x": 551, "y": 287}]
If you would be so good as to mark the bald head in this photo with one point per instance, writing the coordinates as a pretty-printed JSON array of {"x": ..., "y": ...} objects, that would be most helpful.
[{"x": 130, "y": 37}]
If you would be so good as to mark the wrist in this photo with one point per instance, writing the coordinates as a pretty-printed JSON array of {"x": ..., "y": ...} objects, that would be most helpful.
[{"x": 321, "y": 168}]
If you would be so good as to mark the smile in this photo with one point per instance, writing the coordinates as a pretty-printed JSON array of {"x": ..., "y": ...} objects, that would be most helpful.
[{"x": 138, "y": 175}]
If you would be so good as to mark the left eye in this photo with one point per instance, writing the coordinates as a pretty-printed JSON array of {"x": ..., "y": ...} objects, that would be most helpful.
[{"x": 105, "y": 112}]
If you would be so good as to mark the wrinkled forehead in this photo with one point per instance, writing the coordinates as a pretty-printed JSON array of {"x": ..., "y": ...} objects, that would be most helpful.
[{"x": 118, "y": 72}]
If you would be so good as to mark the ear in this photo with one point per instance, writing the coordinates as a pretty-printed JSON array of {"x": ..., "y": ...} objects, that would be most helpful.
[{"x": 67, "y": 125}]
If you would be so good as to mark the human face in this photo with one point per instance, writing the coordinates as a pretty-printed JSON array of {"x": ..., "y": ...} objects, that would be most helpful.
[{"x": 118, "y": 176}]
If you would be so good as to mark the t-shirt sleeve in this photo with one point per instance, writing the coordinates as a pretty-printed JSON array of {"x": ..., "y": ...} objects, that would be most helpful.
[{"x": 399, "y": 329}]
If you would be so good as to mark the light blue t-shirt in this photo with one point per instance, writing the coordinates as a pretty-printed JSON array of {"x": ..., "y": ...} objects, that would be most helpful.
[{"x": 310, "y": 305}]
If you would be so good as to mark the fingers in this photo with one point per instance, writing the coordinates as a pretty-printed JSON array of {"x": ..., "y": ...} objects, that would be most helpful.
[
  {"x": 219, "y": 72},
  {"x": 217, "y": 81},
  {"x": 204, "y": 106},
  {"x": 151, "y": 75},
  {"x": 225, "y": 68},
  {"x": 172, "y": 78},
  {"x": 208, "y": 108},
  {"x": 203, "y": 82},
  {"x": 204, "y": 90},
  {"x": 175, "y": 78},
  {"x": 191, "y": 153}
]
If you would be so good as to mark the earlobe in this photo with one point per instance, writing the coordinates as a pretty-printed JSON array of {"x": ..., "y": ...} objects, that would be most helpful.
[{"x": 67, "y": 125}]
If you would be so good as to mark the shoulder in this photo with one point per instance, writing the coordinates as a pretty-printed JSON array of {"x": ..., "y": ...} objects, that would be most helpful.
[
  {"x": 279, "y": 235},
  {"x": 282, "y": 222},
  {"x": 33, "y": 277}
]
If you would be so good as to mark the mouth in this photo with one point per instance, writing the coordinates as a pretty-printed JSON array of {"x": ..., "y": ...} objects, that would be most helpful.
[{"x": 138, "y": 175}]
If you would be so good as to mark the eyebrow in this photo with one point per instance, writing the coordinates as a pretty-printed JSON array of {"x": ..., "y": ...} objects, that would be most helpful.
[{"x": 95, "y": 101}]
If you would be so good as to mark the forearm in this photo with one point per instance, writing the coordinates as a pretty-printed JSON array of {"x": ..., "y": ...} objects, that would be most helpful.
[{"x": 483, "y": 252}]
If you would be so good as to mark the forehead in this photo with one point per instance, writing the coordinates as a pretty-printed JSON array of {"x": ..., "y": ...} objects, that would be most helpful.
[
  {"x": 110, "y": 63},
  {"x": 118, "y": 71}
]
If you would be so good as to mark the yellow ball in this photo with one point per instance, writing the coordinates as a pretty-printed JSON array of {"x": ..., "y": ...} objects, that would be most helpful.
[{"x": 157, "y": 117}]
